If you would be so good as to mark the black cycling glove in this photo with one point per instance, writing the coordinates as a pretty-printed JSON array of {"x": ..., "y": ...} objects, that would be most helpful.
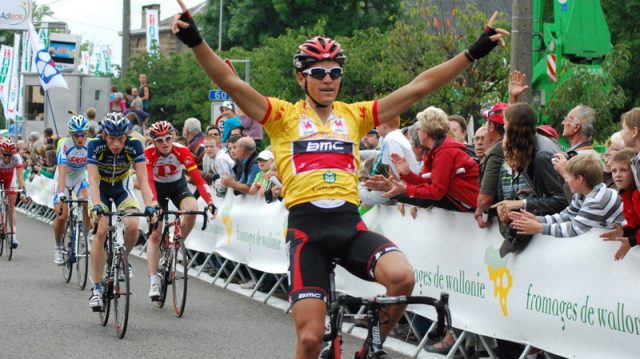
[
  {"x": 191, "y": 35},
  {"x": 483, "y": 46}
]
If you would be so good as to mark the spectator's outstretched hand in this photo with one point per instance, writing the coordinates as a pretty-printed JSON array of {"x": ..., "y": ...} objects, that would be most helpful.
[
  {"x": 378, "y": 183},
  {"x": 185, "y": 28},
  {"x": 617, "y": 234},
  {"x": 401, "y": 164},
  {"x": 517, "y": 85},
  {"x": 559, "y": 161},
  {"x": 506, "y": 206},
  {"x": 400, "y": 207},
  {"x": 397, "y": 187},
  {"x": 526, "y": 226},
  {"x": 522, "y": 214}
]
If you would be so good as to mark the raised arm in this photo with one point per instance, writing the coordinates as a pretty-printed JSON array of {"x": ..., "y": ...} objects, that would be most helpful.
[
  {"x": 248, "y": 99},
  {"x": 432, "y": 79}
]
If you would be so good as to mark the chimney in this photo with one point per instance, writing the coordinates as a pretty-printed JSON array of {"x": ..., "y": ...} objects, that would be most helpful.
[{"x": 144, "y": 13}]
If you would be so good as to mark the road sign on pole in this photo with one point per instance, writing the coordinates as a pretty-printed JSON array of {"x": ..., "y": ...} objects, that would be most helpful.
[{"x": 218, "y": 95}]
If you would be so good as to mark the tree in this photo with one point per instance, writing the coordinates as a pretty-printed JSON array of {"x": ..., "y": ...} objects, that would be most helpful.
[
  {"x": 248, "y": 23},
  {"x": 623, "y": 28},
  {"x": 599, "y": 90}
]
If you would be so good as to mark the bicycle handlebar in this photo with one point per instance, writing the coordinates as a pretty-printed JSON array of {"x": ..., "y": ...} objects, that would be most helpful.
[
  {"x": 76, "y": 201},
  {"x": 441, "y": 306},
  {"x": 118, "y": 214},
  {"x": 203, "y": 213}
]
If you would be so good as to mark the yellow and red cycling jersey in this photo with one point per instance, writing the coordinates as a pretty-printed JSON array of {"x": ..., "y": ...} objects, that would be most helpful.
[{"x": 318, "y": 160}]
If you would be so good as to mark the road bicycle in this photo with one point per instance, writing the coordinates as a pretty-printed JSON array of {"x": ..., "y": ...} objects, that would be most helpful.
[
  {"x": 116, "y": 283},
  {"x": 174, "y": 262},
  {"x": 6, "y": 221},
  {"x": 76, "y": 250},
  {"x": 374, "y": 310}
]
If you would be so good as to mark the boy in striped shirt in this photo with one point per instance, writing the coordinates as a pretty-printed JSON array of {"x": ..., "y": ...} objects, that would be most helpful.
[{"x": 592, "y": 205}]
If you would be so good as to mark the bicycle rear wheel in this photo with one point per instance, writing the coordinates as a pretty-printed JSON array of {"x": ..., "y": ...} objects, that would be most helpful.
[
  {"x": 67, "y": 252},
  {"x": 8, "y": 240},
  {"x": 82, "y": 256},
  {"x": 178, "y": 276},
  {"x": 121, "y": 293},
  {"x": 163, "y": 271}
]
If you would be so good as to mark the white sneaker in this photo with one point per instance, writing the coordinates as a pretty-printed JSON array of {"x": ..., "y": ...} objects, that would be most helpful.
[
  {"x": 154, "y": 291},
  {"x": 250, "y": 284},
  {"x": 14, "y": 243},
  {"x": 95, "y": 301},
  {"x": 58, "y": 258}
]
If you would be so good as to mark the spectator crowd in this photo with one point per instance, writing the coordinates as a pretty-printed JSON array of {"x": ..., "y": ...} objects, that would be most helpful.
[{"x": 510, "y": 172}]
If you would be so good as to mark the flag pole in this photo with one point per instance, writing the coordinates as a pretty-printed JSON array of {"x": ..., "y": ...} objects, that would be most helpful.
[{"x": 55, "y": 126}]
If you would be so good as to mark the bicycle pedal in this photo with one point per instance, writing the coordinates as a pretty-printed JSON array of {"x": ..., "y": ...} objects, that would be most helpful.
[
  {"x": 155, "y": 298},
  {"x": 98, "y": 309}
]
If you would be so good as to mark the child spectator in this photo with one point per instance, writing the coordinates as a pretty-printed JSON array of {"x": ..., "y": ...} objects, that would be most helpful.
[
  {"x": 631, "y": 136},
  {"x": 592, "y": 205},
  {"x": 215, "y": 163},
  {"x": 260, "y": 183},
  {"x": 623, "y": 177}
]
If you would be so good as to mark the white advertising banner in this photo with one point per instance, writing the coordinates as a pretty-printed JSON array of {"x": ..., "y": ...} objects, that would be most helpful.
[
  {"x": 15, "y": 14},
  {"x": 26, "y": 60},
  {"x": 153, "y": 32},
  {"x": 6, "y": 59},
  {"x": 106, "y": 60},
  {"x": 85, "y": 61},
  {"x": 564, "y": 295},
  {"x": 14, "y": 84}
]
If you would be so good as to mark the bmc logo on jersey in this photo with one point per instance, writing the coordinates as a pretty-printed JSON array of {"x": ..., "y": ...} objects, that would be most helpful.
[{"x": 322, "y": 146}]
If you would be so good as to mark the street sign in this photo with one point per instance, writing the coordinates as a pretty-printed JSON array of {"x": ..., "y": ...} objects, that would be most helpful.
[{"x": 218, "y": 95}]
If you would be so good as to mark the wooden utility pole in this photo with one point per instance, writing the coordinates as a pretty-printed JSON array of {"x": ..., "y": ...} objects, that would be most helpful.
[
  {"x": 126, "y": 28},
  {"x": 521, "y": 41}
]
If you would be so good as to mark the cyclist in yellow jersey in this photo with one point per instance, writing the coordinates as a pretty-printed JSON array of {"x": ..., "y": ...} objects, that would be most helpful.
[{"x": 315, "y": 143}]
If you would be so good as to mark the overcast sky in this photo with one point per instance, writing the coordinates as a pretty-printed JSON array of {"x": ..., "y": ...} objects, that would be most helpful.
[{"x": 100, "y": 21}]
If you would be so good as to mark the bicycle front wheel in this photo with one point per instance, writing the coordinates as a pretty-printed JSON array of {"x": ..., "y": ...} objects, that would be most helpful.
[
  {"x": 68, "y": 239},
  {"x": 82, "y": 256},
  {"x": 178, "y": 276},
  {"x": 8, "y": 229},
  {"x": 121, "y": 293},
  {"x": 164, "y": 270}
]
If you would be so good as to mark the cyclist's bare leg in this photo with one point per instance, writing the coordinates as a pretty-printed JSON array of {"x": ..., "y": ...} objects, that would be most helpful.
[
  {"x": 308, "y": 318},
  {"x": 131, "y": 225},
  {"x": 395, "y": 273},
  {"x": 84, "y": 194},
  {"x": 188, "y": 221},
  {"x": 12, "y": 206},
  {"x": 153, "y": 250},
  {"x": 62, "y": 212},
  {"x": 97, "y": 255}
]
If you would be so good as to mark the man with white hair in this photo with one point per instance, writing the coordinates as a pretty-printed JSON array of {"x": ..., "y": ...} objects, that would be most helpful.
[{"x": 192, "y": 131}]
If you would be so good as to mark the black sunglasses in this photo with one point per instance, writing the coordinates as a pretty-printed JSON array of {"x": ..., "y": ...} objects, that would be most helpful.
[
  {"x": 79, "y": 134},
  {"x": 319, "y": 73}
]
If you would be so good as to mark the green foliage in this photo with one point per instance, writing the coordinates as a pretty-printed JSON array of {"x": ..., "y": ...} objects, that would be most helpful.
[
  {"x": 623, "y": 27},
  {"x": 249, "y": 23},
  {"x": 178, "y": 87},
  {"x": 599, "y": 90}
]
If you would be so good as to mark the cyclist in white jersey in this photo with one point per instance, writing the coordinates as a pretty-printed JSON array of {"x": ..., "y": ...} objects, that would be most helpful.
[{"x": 70, "y": 177}]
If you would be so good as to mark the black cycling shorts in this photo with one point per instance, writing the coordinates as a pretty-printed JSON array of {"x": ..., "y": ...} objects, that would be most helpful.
[
  {"x": 174, "y": 191},
  {"x": 317, "y": 235}
]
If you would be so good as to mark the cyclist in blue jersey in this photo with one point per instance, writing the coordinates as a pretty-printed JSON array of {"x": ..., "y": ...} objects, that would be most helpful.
[
  {"x": 111, "y": 157},
  {"x": 70, "y": 177}
]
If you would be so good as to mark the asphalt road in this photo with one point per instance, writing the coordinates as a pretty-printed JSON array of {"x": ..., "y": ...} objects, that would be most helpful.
[{"x": 43, "y": 317}]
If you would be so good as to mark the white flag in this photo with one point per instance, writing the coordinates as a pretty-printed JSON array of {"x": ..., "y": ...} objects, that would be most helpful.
[
  {"x": 50, "y": 77},
  {"x": 85, "y": 61}
]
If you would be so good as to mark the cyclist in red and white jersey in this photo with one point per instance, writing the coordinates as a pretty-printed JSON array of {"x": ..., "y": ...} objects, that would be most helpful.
[
  {"x": 11, "y": 173},
  {"x": 166, "y": 163}
]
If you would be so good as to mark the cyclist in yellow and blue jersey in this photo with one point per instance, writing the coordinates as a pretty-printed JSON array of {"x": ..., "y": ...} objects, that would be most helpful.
[
  {"x": 111, "y": 158},
  {"x": 315, "y": 145}
]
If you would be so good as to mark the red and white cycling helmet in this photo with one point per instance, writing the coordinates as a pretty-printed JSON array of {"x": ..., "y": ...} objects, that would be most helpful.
[
  {"x": 7, "y": 147},
  {"x": 318, "y": 49},
  {"x": 161, "y": 128}
]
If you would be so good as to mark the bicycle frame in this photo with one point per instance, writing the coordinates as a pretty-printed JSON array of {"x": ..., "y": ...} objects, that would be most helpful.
[{"x": 373, "y": 307}]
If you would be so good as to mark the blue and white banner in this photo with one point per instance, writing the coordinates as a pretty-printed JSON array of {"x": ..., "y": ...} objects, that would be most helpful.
[{"x": 50, "y": 77}]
